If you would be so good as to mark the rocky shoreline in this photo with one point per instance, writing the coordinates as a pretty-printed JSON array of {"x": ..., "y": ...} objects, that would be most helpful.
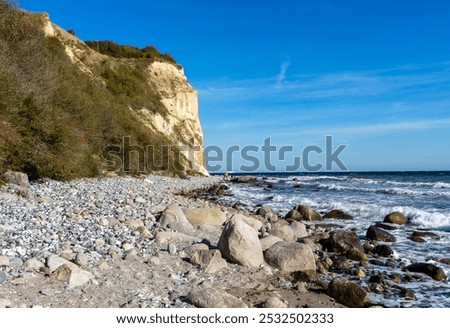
[{"x": 168, "y": 242}]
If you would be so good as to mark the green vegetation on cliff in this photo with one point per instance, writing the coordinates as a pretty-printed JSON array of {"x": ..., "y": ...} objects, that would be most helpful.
[
  {"x": 115, "y": 50},
  {"x": 55, "y": 118}
]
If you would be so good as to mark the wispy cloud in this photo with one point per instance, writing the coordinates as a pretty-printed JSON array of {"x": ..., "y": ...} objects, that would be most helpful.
[
  {"x": 351, "y": 84},
  {"x": 282, "y": 75}
]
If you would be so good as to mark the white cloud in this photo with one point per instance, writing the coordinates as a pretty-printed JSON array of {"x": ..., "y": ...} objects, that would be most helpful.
[{"x": 282, "y": 75}]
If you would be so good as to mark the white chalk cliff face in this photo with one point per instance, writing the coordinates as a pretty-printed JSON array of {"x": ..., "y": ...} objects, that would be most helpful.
[{"x": 178, "y": 120}]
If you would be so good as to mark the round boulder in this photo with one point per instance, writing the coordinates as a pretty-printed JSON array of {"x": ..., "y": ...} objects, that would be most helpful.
[
  {"x": 348, "y": 293},
  {"x": 240, "y": 244},
  {"x": 429, "y": 269},
  {"x": 338, "y": 214},
  {"x": 291, "y": 257},
  {"x": 396, "y": 218}
]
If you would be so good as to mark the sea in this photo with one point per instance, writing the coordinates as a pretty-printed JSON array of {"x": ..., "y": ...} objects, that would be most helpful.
[{"x": 424, "y": 197}]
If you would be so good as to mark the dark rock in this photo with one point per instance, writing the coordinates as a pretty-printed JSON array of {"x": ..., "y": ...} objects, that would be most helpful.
[
  {"x": 376, "y": 279},
  {"x": 376, "y": 262},
  {"x": 346, "y": 241},
  {"x": 293, "y": 215},
  {"x": 245, "y": 179},
  {"x": 338, "y": 214},
  {"x": 297, "y": 186},
  {"x": 426, "y": 234},
  {"x": 378, "y": 234},
  {"x": 444, "y": 261},
  {"x": 348, "y": 293},
  {"x": 383, "y": 250},
  {"x": 341, "y": 263},
  {"x": 429, "y": 269},
  {"x": 386, "y": 226},
  {"x": 405, "y": 292},
  {"x": 396, "y": 218},
  {"x": 417, "y": 239}
]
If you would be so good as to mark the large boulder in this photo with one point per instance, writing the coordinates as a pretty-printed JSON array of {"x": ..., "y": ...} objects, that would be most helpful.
[
  {"x": 348, "y": 293},
  {"x": 291, "y": 257},
  {"x": 348, "y": 243},
  {"x": 283, "y": 232},
  {"x": 396, "y": 218},
  {"x": 378, "y": 234},
  {"x": 173, "y": 213},
  {"x": 338, "y": 214},
  {"x": 17, "y": 178},
  {"x": 303, "y": 213},
  {"x": 254, "y": 223},
  {"x": 214, "y": 298},
  {"x": 429, "y": 269},
  {"x": 199, "y": 216},
  {"x": 240, "y": 244}
]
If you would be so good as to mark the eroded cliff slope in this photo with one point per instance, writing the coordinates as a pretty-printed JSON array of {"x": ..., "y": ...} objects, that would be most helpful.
[{"x": 70, "y": 110}]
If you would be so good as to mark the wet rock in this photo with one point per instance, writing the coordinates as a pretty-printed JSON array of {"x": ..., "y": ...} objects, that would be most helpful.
[
  {"x": 396, "y": 218},
  {"x": 383, "y": 250},
  {"x": 338, "y": 214},
  {"x": 426, "y": 234},
  {"x": 341, "y": 263},
  {"x": 417, "y": 239},
  {"x": 348, "y": 293},
  {"x": 274, "y": 303},
  {"x": 307, "y": 213},
  {"x": 199, "y": 216},
  {"x": 348, "y": 243},
  {"x": 291, "y": 257},
  {"x": 245, "y": 179},
  {"x": 240, "y": 244},
  {"x": 294, "y": 215},
  {"x": 429, "y": 269},
  {"x": 214, "y": 298},
  {"x": 378, "y": 234},
  {"x": 386, "y": 226},
  {"x": 210, "y": 261}
]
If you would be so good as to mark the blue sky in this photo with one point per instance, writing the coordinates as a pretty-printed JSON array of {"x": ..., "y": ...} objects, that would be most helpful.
[{"x": 373, "y": 74}]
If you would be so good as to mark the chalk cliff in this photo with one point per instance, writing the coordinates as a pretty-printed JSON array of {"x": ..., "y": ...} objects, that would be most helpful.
[{"x": 67, "y": 105}]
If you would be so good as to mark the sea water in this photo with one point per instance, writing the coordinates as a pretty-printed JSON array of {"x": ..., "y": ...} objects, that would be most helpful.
[{"x": 424, "y": 197}]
